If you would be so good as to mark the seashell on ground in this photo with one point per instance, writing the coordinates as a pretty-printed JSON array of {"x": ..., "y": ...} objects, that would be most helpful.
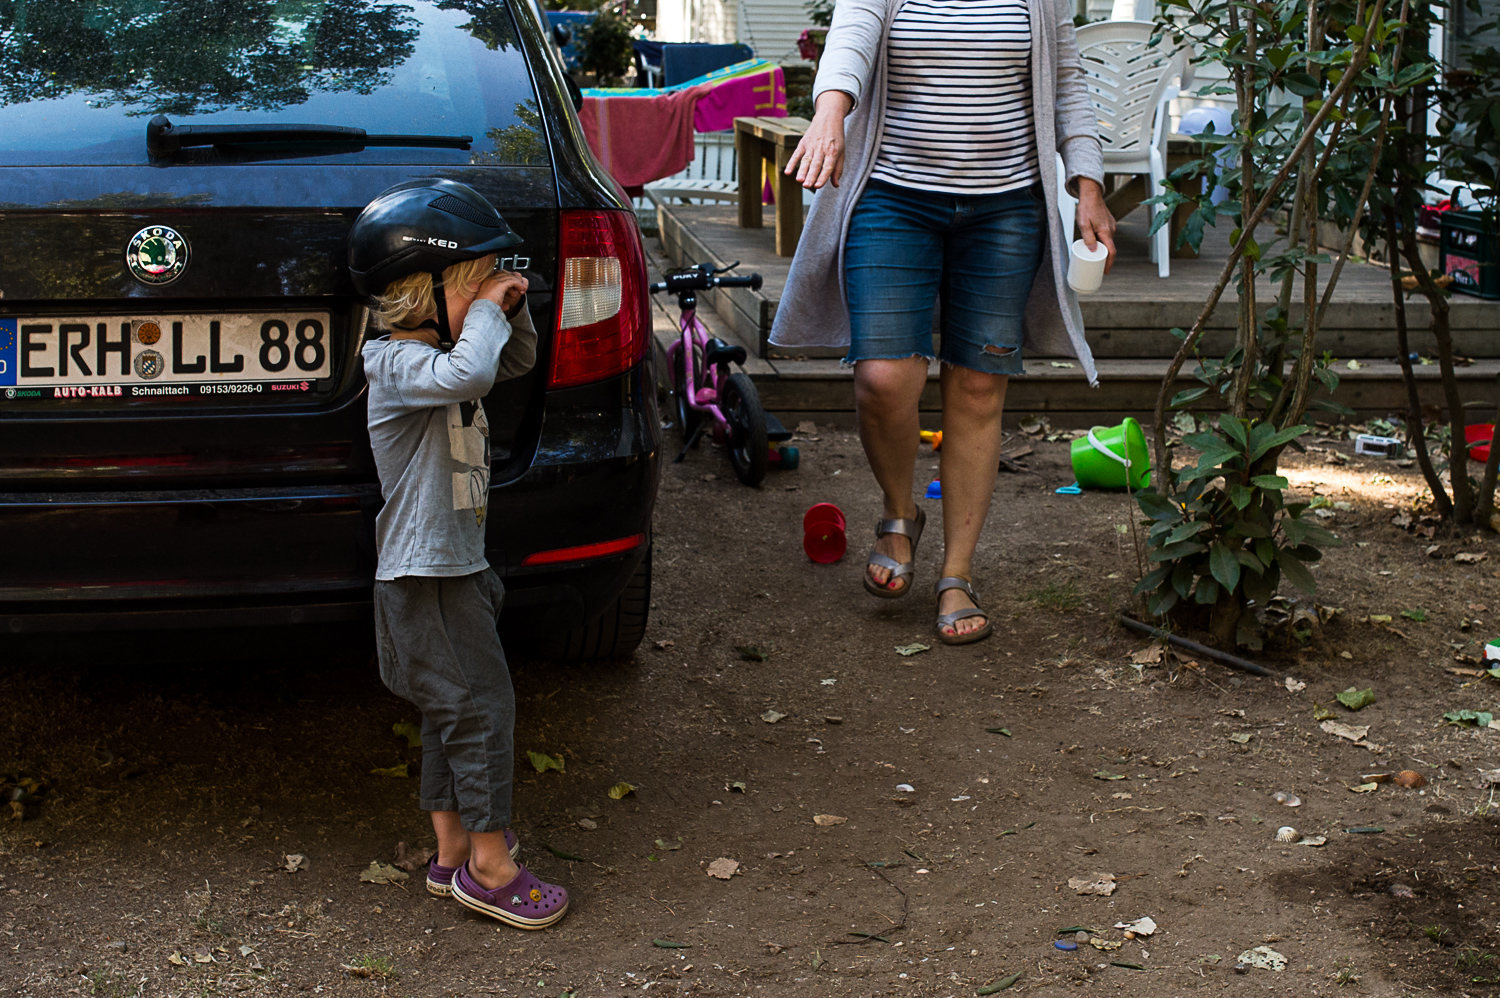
[
  {"x": 1286, "y": 833},
  {"x": 1284, "y": 798},
  {"x": 1410, "y": 779}
]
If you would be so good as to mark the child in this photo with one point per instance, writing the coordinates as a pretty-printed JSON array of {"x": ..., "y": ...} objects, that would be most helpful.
[{"x": 436, "y": 599}]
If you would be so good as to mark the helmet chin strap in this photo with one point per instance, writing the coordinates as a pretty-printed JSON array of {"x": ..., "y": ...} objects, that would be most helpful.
[{"x": 440, "y": 298}]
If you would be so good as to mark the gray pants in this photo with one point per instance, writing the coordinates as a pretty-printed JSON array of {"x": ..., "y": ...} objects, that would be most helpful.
[{"x": 438, "y": 648}]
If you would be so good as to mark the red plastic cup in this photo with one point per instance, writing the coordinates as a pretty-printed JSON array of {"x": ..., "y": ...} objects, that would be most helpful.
[
  {"x": 1480, "y": 434},
  {"x": 823, "y": 535}
]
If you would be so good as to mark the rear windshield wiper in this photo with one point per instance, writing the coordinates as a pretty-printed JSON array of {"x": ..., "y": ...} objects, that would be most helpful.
[{"x": 164, "y": 139}]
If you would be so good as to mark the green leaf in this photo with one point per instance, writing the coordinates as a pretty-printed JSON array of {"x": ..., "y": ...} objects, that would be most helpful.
[
  {"x": 1224, "y": 565},
  {"x": 1270, "y": 482},
  {"x": 1156, "y": 505},
  {"x": 1478, "y": 718},
  {"x": 1277, "y": 439},
  {"x": 1240, "y": 495},
  {"x": 411, "y": 732},
  {"x": 1248, "y": 528},
  {"x": 1181, "y": 549},
  {"x": 1356, "y": 699},
  {"x": 1302, "y": 84},
  {"x": 1296, "y": 573},
  {"x": 541, "y": 761},
  {"x": 1232, "y": 428},
  {"x": 1185, "y": 530},
  {"x": 1182, "y": 579},
  {"x": 1249, "y": 560},
  {"x": 1152, "y": 579},
  {"x": 1187, "y": 395},
  {"x": 1356, "y": 33},
  {"x": 1207, "y": 592},
  {"x": 1419, "y": 615}
]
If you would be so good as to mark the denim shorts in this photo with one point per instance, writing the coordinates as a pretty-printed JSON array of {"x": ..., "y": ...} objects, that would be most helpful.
[{"x": 976, "y": 253}]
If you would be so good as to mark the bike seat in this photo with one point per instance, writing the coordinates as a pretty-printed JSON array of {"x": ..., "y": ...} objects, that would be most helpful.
[{"x": 716, "y": 351}]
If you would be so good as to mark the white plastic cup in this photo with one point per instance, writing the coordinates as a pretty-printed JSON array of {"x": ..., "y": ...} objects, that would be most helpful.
[{"x": 1086, "y": 266}]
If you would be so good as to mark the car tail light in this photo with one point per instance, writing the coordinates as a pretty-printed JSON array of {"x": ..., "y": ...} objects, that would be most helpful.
[
  {"x": 585, "y": 551},
  {"x": 603, "y": 322}
]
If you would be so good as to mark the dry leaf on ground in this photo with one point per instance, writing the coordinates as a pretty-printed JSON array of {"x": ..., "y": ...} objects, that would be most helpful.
[
  {"x": 828, "y": 819},
  {"x": 410, "y": 859},
  {"x": 394, "y": 772},
  {"x": 294, "y": 861},
  {"x": 1295, "y": 685},
  {"x": 1353, "y": 732},
  {"x": 1143, "y": 926},
  {"x": 381, "y": 873},
  {"x": 1102, "y": 884},
  {"x": 619, "y": 790},
  {"x": 1149, "y": 655},
  {"x": 723, "y": 868}
]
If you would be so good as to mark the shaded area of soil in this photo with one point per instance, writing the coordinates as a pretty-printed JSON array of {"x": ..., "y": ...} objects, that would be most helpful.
[{"x": 175, "y": 786}]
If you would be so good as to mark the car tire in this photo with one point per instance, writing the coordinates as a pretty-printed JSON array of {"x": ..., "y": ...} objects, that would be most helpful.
[{"x": 616, "y": 633}]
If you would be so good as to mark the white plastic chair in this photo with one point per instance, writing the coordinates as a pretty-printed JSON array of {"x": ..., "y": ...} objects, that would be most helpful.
[{"x": 1130, "y": 83}]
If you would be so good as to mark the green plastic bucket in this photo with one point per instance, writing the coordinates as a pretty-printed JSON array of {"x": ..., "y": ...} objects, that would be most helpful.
[{"x": 1104, "y": 458}]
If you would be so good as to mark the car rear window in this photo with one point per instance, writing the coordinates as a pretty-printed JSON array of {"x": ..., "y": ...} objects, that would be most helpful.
[{"x": 79, "y": 79}]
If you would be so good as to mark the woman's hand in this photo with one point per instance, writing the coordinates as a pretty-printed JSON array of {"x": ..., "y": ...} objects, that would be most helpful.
[
  {"x": 504, "y": 288},
  {"x": 819, "y": 157},
  {"x": 1095, "y": 223}
]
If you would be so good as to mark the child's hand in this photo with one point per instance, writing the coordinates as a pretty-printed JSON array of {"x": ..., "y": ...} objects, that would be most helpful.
[{"x": 504, "y": 288}]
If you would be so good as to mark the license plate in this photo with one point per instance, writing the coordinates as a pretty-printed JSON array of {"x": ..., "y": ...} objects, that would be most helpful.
[{"x": 164, "y": 355}]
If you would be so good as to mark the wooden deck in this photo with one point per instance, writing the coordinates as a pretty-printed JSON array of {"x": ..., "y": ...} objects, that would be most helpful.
[{"x": 1128, "y": 321}]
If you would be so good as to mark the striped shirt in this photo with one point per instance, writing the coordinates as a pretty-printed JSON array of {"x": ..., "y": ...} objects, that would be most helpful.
[{"x": 958, "y": 112}]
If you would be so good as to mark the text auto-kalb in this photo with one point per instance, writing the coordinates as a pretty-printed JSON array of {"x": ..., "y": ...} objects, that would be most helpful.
[{"x": 85, "y": 391}]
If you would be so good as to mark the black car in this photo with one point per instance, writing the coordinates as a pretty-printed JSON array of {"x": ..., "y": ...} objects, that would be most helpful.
[{"x": 182, "y": 407}]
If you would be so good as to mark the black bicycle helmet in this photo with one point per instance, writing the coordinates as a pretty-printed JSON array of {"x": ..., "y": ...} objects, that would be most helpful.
[{"x": 423, "y": 227}]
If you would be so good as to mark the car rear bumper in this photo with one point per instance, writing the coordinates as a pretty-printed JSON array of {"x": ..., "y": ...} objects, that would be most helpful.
[{"x": 278, "y": 555}]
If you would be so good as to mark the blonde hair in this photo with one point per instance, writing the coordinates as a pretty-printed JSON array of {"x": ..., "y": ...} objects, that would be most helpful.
[{"x": 409, "y": 301}]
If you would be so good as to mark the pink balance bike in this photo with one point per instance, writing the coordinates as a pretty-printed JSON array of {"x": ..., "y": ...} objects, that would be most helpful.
[{"x": 703, "y": 386}]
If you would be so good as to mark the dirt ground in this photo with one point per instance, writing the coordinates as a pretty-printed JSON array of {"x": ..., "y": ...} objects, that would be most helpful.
[{"x": 177, "y": 774}]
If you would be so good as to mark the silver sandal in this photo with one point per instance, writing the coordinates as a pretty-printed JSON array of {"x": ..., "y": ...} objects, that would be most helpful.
[
  {"x": 909, "y": 528},
  {"x": 951, "y": 619}
]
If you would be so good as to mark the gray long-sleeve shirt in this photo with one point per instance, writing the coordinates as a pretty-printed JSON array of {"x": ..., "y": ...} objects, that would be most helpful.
[{"x": 432, "y": 442}]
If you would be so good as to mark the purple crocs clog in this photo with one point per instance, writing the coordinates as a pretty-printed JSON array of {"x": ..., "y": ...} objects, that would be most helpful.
[
  {"x": 525, "y": 902},
  {"x": 440, "y": 878}
]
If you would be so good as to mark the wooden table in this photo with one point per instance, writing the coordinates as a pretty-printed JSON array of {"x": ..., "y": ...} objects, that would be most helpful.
[{"x": 770, "y": 140}]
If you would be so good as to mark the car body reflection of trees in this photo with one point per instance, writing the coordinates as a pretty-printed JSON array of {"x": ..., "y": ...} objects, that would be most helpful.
[{"x": 199, "y": 56}]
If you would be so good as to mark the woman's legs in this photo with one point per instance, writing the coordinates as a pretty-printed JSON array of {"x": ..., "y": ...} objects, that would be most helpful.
[
  {"x": 886, "y": 393},
  {"x": 973, "y": 402},
  {"x": 990, "y": 259},
  {"x": 892, "y": 269}
]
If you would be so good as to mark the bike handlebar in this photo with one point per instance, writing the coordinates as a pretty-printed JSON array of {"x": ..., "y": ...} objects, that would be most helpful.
[{"x": 702, "y": 278}]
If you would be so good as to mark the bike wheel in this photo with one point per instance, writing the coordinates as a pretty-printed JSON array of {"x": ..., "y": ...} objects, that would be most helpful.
[
  {"x": 688, "y": 418},
  {"x": 748, "y": 449}
]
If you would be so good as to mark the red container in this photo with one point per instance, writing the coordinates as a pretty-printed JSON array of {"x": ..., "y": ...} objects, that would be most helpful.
[
  {"x": 1481, "y": 434},
  {"x": 823, "y": 533}
]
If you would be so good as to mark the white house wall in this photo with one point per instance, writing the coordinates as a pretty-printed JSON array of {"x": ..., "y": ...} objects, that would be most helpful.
[
  {"x": 713, "y": 21},
  {"x": 771, "y": 27}
]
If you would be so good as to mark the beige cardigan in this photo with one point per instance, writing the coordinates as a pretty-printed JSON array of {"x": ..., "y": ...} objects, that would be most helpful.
[{"x": 812, "y": 310}]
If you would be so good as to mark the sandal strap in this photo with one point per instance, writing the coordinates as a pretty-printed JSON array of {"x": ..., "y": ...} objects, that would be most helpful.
[
  {"x": 948, "y": 582},
  {"x": 951, "y": 619},
  {"x": 898, "y": 568},
  {"x": 907, "y": 527}
]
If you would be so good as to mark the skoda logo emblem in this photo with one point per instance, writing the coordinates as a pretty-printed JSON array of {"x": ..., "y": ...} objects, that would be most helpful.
[{"x": 157, "y": 255}]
